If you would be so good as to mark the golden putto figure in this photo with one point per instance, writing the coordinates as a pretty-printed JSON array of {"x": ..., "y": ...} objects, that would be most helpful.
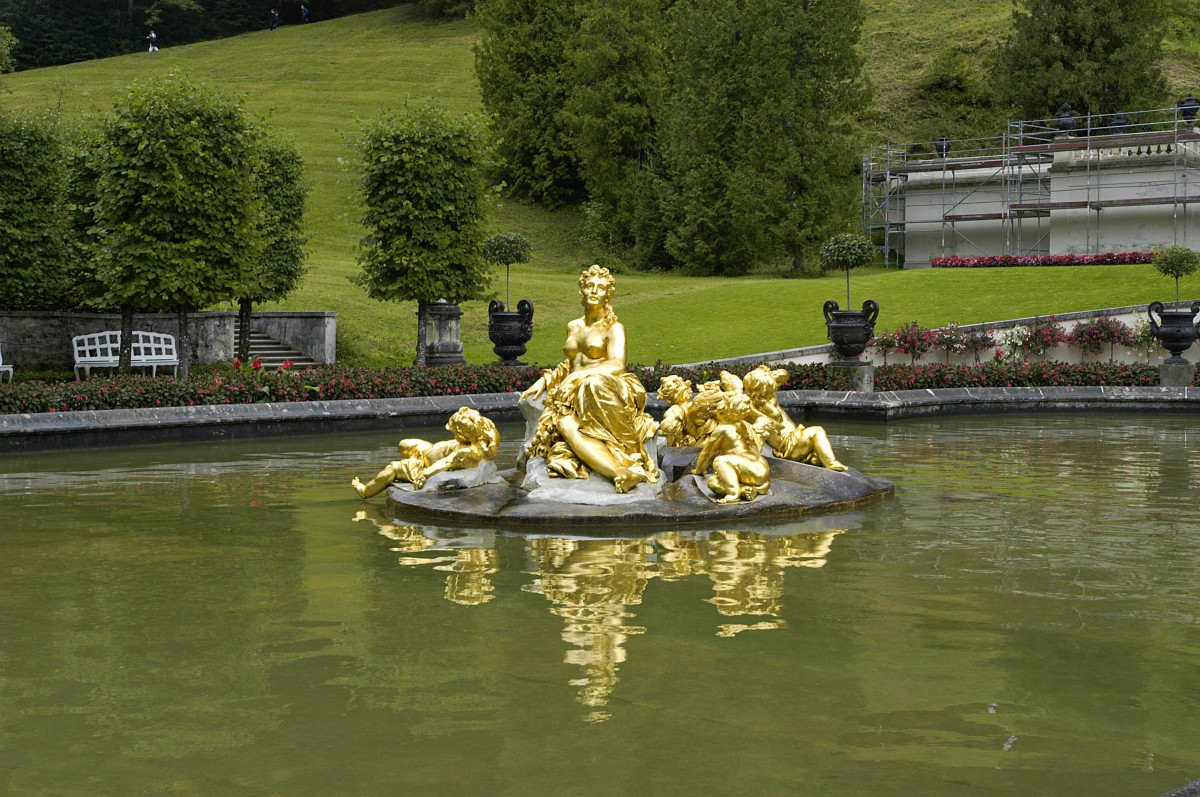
[
  {"x": 594, "y": 417},
  {"x": 788, "y": 439},
  {"x": 476, "y": 440},
  {"x": 734, "y": 451}
]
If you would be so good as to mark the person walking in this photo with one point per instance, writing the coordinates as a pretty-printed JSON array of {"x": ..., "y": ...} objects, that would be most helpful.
[
  {"x": 303, "y": 13},
  {"x": 274, "y": 19},
  {"x": 153, "y": 39}
]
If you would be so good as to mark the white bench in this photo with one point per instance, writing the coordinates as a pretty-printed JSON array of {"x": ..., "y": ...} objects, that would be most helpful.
[
  {"x": 5, "y": 369},
  {"x": 103, "y": 350}
]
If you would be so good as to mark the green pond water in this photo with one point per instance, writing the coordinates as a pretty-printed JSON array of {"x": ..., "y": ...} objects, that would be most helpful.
[{"x": 1022, "y": 618}]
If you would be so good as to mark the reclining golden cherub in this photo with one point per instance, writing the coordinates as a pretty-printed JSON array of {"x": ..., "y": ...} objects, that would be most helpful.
[
  {"x": 789, "y": 440},
  {"x": 476, "y": 440}
]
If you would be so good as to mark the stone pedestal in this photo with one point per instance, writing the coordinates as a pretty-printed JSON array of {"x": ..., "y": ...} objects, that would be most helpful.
[
  {"x": 862, "y": 376},
  {"x": 1176, "y": 375},
  {"x": 443, "y": 343}
]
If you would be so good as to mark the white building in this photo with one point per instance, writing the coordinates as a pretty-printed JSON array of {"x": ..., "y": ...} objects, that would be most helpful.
[{"x": 1107, "y": 185}]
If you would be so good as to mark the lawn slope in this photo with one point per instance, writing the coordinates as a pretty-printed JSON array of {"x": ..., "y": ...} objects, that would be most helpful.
[{"x": 319, "y": 82}]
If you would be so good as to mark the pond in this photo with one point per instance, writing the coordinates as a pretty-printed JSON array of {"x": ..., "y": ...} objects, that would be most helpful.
[{"x": 1022, "y": 618}]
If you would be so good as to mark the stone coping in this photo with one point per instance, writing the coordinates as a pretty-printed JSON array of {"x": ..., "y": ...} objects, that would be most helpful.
[{"x": 102, "y": 428}]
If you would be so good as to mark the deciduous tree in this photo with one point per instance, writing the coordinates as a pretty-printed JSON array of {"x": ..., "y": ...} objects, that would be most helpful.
[
  {"x": 33, "y": 256},
  {"x": 177, "y": 210},
  {"x": 420, "y": 177}
]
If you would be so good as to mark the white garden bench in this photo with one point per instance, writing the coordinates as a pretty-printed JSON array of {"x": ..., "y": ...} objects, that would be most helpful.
[
  {"x": 5, "y": 369},
  {"x": 103, "y": 350}
]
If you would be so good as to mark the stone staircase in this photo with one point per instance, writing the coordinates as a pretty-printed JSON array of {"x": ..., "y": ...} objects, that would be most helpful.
[{"x": 271, "y": 352}]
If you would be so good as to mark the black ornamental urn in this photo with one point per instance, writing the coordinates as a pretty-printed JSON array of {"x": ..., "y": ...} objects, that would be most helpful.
[
  {"x": 851, "y": 330},
  {"x": 510, "y": 331},
  {"x": 1175, "y": 329}
]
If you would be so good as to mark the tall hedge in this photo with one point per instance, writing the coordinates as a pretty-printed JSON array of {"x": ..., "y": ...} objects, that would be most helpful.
[
  {"x": 420, "y": 176},
  {"x": 176, "y": 210},
  {"x": 34, "y": 273}
]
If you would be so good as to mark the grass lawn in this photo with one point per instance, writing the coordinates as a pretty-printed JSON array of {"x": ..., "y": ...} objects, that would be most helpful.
[{"x": 319, "y": 82}]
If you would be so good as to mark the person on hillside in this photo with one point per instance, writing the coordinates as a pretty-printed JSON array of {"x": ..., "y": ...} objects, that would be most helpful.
[
  {"x": 303, "y": 13},
  {"x": 152, "y": 38},
  {"x": 274, "y": 19}
]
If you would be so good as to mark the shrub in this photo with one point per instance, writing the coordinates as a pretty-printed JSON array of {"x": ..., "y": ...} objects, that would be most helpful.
[
  {"x": 1091, "y": 335},
  {"x": 913, "y": 341},
  {"x": 950, "y": 339},
  {"x": 1042, "y": 336}
]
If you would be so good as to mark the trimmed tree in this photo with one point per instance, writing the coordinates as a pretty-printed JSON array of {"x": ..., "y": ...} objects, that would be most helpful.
[
  {"x": 420, "y": 178},
  {"x": 1176, "y": 262},
  {"x": 34, "y": 273},
  {"x": 1101, "y": 56},
  {"x": 177, "y": 209},
  {"x": 279, "y": 182}
]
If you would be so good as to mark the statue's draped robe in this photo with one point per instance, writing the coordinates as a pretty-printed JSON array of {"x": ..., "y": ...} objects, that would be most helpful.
[{"x": 610, "y": 408}]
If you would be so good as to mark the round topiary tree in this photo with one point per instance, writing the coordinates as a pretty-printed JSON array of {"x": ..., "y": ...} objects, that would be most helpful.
[
  {"x": 1176, "y": 261},
  {"x": 504, "y": 249},
  {"x": 845, "y": 251}
]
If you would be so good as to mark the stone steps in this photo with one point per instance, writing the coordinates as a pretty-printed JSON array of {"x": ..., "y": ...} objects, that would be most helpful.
[{"x": 272, "y": 353}]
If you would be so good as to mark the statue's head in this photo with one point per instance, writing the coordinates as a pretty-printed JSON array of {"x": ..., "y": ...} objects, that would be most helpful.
[
  {"x": 674, "y": 389},
  {"x": 762, "y": 383},
  {"x": 735, "y": 407},
  {"x": 601, "y": 277},
  {"x": 468, "y": 426}
]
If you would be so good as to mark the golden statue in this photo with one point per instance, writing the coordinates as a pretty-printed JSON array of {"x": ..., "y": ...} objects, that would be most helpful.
[
  {"x": 594, "y": 417},
  {"x": 677, "y": 393},
  {"x": 476, "y": 440},
  {"x": 734, "y": 450},
  {"x": 789, "y": 440}
]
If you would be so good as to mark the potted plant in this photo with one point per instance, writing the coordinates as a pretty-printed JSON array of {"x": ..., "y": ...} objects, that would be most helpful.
[
  {"x": 1175, "y": 329},
  {"x": 849, "y": 330},
  {"x": 509, "y": 331}
]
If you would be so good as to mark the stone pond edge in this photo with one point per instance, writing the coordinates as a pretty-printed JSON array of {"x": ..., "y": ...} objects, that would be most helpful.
[{"x": 103, "y": 428}]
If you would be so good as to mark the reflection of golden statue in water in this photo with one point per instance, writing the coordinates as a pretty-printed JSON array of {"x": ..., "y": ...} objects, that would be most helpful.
[
  {"x": 591, "y": 585},
  {"x": 734, "y": 450},
  {"x": 476, "y": 440},
  {"x": 747, "y": 571},
  {"x": 594, "y": 417},
  {"x": 788, "y": 439},
  {"x": 468, "y": 583}
]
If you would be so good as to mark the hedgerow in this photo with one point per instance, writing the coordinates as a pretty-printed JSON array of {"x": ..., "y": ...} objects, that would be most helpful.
[{"x": 249, "y": 385}]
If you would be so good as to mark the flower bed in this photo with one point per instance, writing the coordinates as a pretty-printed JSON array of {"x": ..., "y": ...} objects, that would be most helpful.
[
  {"x": 1003, "y": 261},
  {"x": 247, "y": 386}
]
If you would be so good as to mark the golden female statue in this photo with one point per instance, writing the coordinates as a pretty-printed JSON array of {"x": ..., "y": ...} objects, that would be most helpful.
[
  {"x": 476, "y": 440},
  {"x": 788, "y": 439},
  {"x": 734, "y": 450},
  {"x": 594, "y": 416}
]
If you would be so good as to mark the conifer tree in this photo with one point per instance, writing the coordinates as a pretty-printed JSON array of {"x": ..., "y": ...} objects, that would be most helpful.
[
  {"x": 524, "y": 72},
  {"x": 752, "y": 128},
  {"x": 617, "y": 66},
  {"x": 1101, "y": 56}
]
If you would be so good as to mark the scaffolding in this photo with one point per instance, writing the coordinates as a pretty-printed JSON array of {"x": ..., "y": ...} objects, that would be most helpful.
[{"x": 1100, "y": 162}]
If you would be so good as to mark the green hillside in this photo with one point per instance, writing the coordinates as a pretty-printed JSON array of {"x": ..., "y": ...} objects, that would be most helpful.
[{"x": 319, "y": 82}]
